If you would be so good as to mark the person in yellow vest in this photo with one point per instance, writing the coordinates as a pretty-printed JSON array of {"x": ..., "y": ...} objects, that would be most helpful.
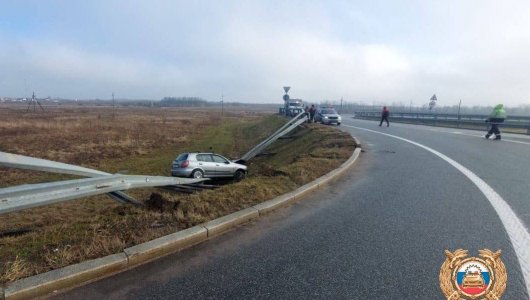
[{"x": 497, "y": 117}]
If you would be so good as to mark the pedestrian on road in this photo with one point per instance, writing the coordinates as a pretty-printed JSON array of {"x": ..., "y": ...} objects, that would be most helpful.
[
  {"x": 312, "y": 112},
  {"x": 496, "y": 118},
  {"x": 384, "y": 116},
  {"x": 306, "y": 110}
]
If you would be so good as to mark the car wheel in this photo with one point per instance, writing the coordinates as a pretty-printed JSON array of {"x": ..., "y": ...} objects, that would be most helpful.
[
  {"x": 239, "y": 175},
  {"x": 197, "y": 174},
  {"x": 338, "y": 124}
]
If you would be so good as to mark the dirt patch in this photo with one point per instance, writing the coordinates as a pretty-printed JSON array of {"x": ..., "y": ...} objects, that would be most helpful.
[{"x": 157, "y": 202}]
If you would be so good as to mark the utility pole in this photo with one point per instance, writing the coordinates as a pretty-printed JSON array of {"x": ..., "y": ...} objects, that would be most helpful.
[
  {"x": 113, "y": 106},
  {"x": 459, "y": 104},
  {"x": 410, "y": 105},
  {"x": 222, "y": 105},
  {"x": 341, "y": 105}
]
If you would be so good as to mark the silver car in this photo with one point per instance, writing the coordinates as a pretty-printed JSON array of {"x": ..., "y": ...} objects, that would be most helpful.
[
  {"x": 206, "y": 165},
  {"x": 327, "y": 115}
]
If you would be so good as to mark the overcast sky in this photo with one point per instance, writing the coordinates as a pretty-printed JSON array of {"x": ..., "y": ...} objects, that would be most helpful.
[{"x": 383, "y": 51}]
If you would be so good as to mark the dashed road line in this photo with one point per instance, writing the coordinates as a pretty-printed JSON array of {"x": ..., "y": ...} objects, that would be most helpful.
[{"x": 517, "y": 231}]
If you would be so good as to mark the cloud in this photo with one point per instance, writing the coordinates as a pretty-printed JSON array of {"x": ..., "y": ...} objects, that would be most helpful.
[
  {"x": 63, "y": 65},
  {"x": 248, "y": 50},
  {"x": 315, "y": 64}
]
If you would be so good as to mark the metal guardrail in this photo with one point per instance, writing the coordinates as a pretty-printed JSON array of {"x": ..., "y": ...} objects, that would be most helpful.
[
  {"x": 37, "y": 164},
  {"x": 518, "y": 123},
  {"x": 285, "y": 129},
  {"x": 33, "y": 195}
]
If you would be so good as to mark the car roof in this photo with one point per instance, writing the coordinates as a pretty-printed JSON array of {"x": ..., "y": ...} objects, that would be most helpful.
[{"x": 202, "y": 153}]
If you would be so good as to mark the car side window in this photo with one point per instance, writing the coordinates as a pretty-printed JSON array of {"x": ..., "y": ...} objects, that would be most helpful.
[
  {"x": 219, "y": 159},
  {"x": 204, "y": 157},
  {"x": 208, "y": 158}
]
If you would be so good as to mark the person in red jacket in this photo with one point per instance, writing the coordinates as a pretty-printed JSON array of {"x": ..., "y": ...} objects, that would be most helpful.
[{"x": 384, "y": 116}]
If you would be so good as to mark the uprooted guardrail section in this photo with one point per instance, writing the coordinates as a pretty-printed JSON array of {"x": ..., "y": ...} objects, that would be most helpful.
[
  {"x": 32, "y": 195},
  {"x": 282, "y": 131}
]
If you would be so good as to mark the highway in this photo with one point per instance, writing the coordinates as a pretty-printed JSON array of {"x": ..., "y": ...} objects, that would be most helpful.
[{"x": 377, "y": 233}]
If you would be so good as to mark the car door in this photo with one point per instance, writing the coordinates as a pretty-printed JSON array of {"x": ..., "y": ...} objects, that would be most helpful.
[
  {"x": 206, "y": 163},
  {"x": 223, "y": 166}
]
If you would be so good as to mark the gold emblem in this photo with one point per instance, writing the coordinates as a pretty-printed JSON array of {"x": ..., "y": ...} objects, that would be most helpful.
[{"x": 463, "y": 277}]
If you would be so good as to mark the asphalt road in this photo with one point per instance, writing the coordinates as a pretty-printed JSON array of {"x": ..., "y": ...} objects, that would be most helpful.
[{"x": 377, "y": 233}]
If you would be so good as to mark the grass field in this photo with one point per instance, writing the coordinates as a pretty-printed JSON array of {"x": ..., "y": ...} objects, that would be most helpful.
[{"x": 143, "y": 141}]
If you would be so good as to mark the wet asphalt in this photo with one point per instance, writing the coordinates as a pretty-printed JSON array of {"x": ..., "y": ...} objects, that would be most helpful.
[{"x": 379, "y": 232}]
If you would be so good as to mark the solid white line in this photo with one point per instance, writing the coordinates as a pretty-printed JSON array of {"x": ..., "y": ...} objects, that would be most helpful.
[{"x": 515, "y": 228}]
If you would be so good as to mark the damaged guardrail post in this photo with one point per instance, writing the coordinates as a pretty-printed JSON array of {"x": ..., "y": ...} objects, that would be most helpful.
[{"x": 285, "y": 129}]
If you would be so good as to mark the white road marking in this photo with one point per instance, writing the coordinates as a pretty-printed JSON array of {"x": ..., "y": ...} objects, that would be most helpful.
[
  {"x": 482, "y": 137},
  {"x": 517, "y": 231},
  {"x": 474, "y": 135},
  {"x": 441, "y": 130}
]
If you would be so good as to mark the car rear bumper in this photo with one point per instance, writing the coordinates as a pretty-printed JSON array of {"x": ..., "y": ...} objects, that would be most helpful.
[
  {"x": 181, "y": 172},
  {"x": 330, "y": 121}
]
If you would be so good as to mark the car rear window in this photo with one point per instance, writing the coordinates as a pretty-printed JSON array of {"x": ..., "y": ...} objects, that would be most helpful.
[{"x": 182, "y": 157}]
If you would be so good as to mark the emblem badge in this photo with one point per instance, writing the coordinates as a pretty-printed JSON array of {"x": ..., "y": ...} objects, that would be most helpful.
[{"x": 463, "y": 277}]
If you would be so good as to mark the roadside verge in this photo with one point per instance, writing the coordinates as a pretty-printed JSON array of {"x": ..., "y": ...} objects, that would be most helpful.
[{"x": 91, "y": 270}]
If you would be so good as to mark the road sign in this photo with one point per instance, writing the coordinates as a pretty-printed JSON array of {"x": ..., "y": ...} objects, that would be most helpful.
[{"x": 286, "y": 89}]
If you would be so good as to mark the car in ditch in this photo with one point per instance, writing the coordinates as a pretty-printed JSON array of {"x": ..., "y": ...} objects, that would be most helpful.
[
  {"x": 327, "y": 115},
  {"x": 206, "y": 165}
]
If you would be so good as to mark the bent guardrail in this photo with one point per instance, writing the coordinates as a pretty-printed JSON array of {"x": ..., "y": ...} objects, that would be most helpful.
[
  {"x": 32, "y": 195},
  {"x": 37, "y": 164},
  {"x": 282, "y": 131},
  {"x": 11, "y": 160}
]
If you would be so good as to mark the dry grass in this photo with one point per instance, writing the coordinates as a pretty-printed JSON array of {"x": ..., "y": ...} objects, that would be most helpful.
[
  {"x": 92, "y": 137},
  {"x": 68, "y": 233}
]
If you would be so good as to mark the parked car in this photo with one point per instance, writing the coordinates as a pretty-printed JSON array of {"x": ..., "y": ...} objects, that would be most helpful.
[
  {"x": 207, "y": 165},
  {"x": 327, "y": 115}
]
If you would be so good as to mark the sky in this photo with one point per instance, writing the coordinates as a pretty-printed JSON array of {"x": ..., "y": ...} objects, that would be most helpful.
[{"x": 371, "y": 51}]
